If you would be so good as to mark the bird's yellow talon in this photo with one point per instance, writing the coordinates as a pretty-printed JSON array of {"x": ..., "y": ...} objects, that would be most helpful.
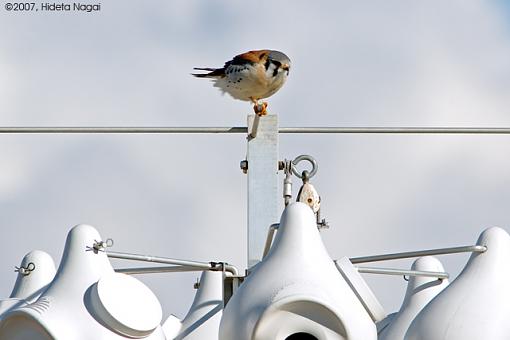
[{"x": 260, "y": 109}]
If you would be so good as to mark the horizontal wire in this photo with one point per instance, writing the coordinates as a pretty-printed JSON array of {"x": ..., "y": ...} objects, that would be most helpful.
[
  {"x": 118, "y": 129},
  {"x": 242, "y": 129},
  {"x": 397, "y": 130}
]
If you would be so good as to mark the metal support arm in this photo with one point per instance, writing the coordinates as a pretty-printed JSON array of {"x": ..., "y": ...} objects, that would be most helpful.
[
  {"x": 419, "y": 253},
  {"x": 165, "y": 260},
  {"x": 393, "y": 271}
]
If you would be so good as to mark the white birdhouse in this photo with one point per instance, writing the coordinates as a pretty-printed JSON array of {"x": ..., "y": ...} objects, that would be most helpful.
[
  {"x": 35, "y": 272},
  {"x": 203, "y": 319},
  {"x": 86, "y": 300},
  {"x": 475, "y": 304},
  {"x": 420, "y": 291},
  {"x": 296, "y": 292}
]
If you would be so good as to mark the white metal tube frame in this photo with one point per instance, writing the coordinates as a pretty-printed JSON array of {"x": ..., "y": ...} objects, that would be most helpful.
[
  {"x": 214, "y": 266},
  {"x": 419, "y": 253},
  {"x": 158, "y": 269},
  {"x": 394, "y": 271}
]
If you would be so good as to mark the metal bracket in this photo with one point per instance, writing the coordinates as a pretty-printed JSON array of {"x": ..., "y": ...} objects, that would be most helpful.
[{"x": 262, "y": 168}]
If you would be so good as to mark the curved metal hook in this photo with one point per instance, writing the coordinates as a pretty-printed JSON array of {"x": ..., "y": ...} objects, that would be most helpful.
[
  {"x": 25, "y": 270},
  {"x": 100, "y": 245},
  {"x": 304, "y": 175}
]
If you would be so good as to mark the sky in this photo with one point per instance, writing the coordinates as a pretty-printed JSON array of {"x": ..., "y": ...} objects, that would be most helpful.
[{"x": 370, "y": 63}]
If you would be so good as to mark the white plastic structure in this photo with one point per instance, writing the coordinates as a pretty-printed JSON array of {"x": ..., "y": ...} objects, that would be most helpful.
[
  {"x": 296, "y": 292},
  {"x": 171, "y": 327},
  {"x": 361, "y": 289},
  {"x": 86, "y": 300},
  {"x": 420, "y": 291},
  {"x": 203, "y": 319},
  {"x": 112, "y": 300},
  {"x": 475, "y": 304},
  {"x": 35, "y": 272}
]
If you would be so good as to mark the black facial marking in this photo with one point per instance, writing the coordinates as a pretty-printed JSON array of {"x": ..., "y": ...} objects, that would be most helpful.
[
  {"x": 266, "y": 65},
  {"x": 276, "y": 63}
]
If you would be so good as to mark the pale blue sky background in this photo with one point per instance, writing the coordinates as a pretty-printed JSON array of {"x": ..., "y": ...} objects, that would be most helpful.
[{"x": 392, "y": 63}]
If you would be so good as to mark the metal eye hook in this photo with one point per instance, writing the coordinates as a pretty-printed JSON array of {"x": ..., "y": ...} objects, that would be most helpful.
[
  {"x": 304, "y": 158},
  {"x": 100, "y": 245},
  {"x": 25, "y": 270}
]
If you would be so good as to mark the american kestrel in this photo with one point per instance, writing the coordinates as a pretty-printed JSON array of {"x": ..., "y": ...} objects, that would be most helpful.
[{"x": 250, "y": 76}]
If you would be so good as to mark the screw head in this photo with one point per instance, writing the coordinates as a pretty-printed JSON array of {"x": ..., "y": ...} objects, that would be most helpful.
[
  {"x": 244, "y": 165},
  {"x": 281, "y": 165}
]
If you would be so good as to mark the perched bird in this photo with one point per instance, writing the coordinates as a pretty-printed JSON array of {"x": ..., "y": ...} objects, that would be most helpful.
[{"x": 250, "y": 76}]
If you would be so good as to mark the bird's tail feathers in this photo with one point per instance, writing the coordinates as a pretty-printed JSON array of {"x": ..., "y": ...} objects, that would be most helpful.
[
  {"x": 213, "y": 72},
  {"x": 204, "y": 69},
  {"x": 201, "y": 75}
]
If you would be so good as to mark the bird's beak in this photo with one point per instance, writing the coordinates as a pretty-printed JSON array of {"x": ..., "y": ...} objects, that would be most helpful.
[{"x": 286, "y": 67}]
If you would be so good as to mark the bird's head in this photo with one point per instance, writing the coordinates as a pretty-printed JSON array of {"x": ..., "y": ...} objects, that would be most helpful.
[{"x": 278, "y": 64}]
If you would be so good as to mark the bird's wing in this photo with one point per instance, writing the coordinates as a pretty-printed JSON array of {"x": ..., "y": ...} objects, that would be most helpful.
[{"x": 250, "y": 57}]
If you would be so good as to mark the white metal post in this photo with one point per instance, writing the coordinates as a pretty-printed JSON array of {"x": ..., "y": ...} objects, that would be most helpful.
[{"x": 262, "y": 157}]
